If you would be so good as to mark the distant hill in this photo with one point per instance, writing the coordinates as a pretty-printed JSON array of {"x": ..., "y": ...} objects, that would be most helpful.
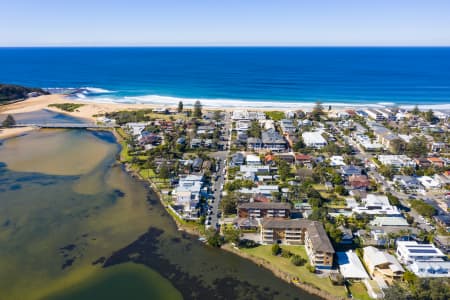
[{"x": 11, "y": 93}]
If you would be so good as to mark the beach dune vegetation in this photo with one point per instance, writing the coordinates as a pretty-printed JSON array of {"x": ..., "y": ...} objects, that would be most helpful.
[{"x": 70, "y": 107}]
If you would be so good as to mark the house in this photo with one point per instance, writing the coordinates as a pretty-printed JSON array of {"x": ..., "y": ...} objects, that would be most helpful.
[
  {"x": 408, "y": 183},
  {"x": 253, "y": 160},
  {"x": 196, "y": 143},
  {"x": 443, "y": 220},
  {"x": 429, "y": 182},
  {"x": 438, "y": 147},
  {"x": 350, "y": 266},
  {"x": 287, "y": 126},
  {"x": 264, "y": 209},
  {"x": 303, "y": 159},
  {"x": 187, "y": 193},
  {"x": 422, "y": 162},
  {"x": 359, "y": 182},
  {"x": 436, "y": 161},
  {"x": 273, "y": 141},
  {"x": 254, "y": 144},
  {"x": 347, "y": 236},
  {"x": 337, "y": 161},
  {"x": 396, "y": 161},
  {"x": 431, "y": 268},
  {"x": 389, "y": 221},
  {"x": 314, "y": 139},
  {"x": 411, "y": 251},
  {"x": 376, "y": 205},
  {"x": 287, "y": 157},
  {"x": 297, "y": 232},
  {"x": 264, "y": 190},
  {"x": 351, "y": 170},
  {"x": 382, "y": 264},
  {"x": 197, "y": 164},
  {"x": 442, "y": 242},
  {"x": 237, "y": 159}
]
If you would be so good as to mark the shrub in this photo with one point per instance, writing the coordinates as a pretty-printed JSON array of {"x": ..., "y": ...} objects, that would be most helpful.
[
  {"x": 311, "y": 268},
  {"x": 286, "y": 253},
  {"x": 297, "y": 260},
  {"x": 276, "y": 249}
]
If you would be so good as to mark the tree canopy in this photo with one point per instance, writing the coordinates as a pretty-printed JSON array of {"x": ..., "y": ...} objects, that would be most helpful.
[
  {"x": 197, "y": 109},
  {"x": 9, "y": 121}
]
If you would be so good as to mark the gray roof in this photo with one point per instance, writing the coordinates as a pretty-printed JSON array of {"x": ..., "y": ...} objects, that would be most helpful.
[
  {"x": 285, "y": 223},
  {"x": 265, "y": 205},
  {"x": 319, "y": 237},
  {"x": 316, "y": 232}
]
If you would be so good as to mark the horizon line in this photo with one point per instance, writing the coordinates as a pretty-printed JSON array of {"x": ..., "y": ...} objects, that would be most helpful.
[{"x": 226, "y": 46}]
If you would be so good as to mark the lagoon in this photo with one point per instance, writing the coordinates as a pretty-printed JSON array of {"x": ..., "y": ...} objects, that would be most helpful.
[{"x": 74, "y": 224}]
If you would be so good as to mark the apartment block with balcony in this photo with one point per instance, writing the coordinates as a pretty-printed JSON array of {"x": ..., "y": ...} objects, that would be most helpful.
[
  {"x": 264, "y": 209},
  {"x": 298, "y": 232}
]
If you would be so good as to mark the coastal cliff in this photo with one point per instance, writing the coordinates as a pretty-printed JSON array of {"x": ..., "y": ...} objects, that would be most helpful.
[{"x": 11, "y": 93}]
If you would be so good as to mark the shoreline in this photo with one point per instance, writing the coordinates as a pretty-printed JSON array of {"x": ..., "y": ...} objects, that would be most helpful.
[
  {"x": 227, "y": 247},
  {"x": 8, "y": 133},
  {"x": 90, "y": 109}
]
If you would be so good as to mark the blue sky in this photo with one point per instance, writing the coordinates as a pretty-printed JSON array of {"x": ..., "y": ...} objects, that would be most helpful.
[{"x": 224, "y": 22}]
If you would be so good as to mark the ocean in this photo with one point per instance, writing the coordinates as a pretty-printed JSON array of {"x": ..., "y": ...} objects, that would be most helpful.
[{"x": 239, "y": 76}]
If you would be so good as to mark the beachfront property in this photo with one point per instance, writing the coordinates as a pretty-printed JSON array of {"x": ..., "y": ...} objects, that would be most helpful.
[
  {"x": 382, "y": 264},
  {"x": 264, "y": 209},
  {"x": 247, "y": 115},
  {"x": 314, "y": 139},
  {"x": 376, "y": 205},
  {"x": 298, "y": 232}
]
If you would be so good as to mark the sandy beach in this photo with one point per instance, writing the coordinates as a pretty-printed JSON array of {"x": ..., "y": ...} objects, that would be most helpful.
[
  {"x": 6, "y": 133},
  {"x": 89, "y": 108}
]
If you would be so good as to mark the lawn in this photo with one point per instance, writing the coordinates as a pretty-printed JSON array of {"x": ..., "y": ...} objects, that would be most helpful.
[
  {"x": 358, "y": 290},
  {"x": 284, "y": 264},
  {"x": 275, "y": 115}
]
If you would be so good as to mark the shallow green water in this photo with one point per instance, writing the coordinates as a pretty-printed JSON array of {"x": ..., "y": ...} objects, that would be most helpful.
[{"x": 70, "y": 232}]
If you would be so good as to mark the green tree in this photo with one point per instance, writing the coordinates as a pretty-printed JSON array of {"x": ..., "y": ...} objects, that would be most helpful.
[
  {"x": 299, "y": 144},
  {"x": 415, "y": 111},
  {"x": 284, "y": 169},
  {"x": 387, "y": 171},
  {"x": 213, "y": 238},
  {"x": 228, "y": 204},
  {"x": 9, "y": 121},
  {"x": 409, "y": 277},
  {"x": 317, "y": 111},
  {"x": 429, "y": 115},
  {"x": 231, "y": 235},
  {"x": 397, "y": 146},
  {"x": 164, "y": 171},
  {"x": 197, "y": 109},
  {"x": 276, "y": 249},
  {"x": 180, "y": 106},
  {"x": 254, "y": 130},
  {"x": 417, "y": 147}
]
